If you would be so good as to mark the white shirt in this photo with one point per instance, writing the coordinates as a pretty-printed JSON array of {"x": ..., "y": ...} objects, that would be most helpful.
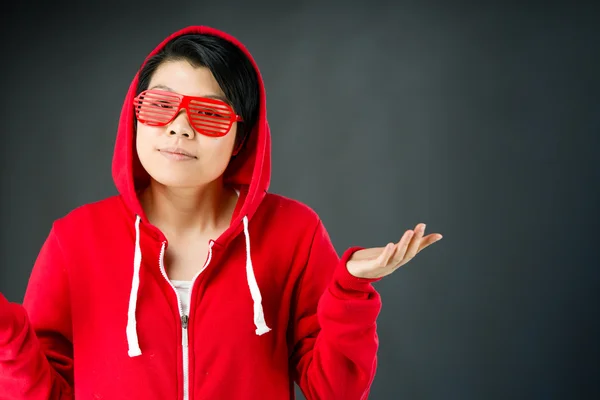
[{"x": 183, "y": 289}]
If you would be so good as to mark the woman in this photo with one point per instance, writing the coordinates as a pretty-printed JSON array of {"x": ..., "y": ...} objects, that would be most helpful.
[{"x": 195, "y": 282}]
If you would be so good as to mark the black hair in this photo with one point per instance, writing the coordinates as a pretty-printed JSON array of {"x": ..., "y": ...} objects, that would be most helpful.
[{"x": 232, "y": 70}]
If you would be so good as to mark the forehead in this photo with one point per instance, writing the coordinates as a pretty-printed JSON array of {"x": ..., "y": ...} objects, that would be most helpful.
[{"x": 185, "y": 79}]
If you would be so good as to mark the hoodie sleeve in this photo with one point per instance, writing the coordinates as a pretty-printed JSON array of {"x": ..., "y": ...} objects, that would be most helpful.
[
  {"x": 36, "y": 360},
  {"x": 334, "y": 336}
]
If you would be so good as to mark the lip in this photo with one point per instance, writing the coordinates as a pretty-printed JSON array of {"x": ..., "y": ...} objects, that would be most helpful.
[{"x": 176, "y": 153}]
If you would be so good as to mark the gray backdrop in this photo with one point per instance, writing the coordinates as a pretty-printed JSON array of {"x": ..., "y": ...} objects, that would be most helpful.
[{"x": 480, "y": 120}]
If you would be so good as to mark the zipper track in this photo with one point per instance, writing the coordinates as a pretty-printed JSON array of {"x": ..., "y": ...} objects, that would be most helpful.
[{"x": 184, "y": 318}]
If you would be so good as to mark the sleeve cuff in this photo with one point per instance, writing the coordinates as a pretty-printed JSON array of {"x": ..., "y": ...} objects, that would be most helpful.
[{"x": 345, "y": 280}]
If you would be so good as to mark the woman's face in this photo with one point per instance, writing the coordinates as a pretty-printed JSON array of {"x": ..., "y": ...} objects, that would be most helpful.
[{"x": 156, "y": 145}]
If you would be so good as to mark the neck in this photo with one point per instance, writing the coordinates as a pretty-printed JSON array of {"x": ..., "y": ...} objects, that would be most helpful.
[{"x": 185, "y": 211}]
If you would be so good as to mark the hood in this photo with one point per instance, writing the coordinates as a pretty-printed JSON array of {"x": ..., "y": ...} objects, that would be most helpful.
[{"x": 250, "y": 170}]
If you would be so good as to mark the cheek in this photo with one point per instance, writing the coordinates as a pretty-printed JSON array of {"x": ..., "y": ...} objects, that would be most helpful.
[
  {"x": 216, "y": 152},
  {"x": 145, "y": 147},
  {"x": 218, "y": 148},
  {"x": 144, "y": 140}
]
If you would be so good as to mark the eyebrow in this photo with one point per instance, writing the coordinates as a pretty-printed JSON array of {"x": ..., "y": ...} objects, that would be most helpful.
[{"x": 208, "y": 96}]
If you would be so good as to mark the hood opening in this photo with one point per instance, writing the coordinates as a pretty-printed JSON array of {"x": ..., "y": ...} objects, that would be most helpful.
[{"x": 251, "y": 167}]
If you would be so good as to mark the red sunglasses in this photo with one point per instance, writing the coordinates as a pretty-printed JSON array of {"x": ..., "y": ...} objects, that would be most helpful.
[{"x": 210, "y": 117}]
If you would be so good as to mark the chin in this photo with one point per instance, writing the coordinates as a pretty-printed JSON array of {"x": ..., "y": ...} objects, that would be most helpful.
[
  {"x": 179, "y": 182},
  {"x": 180, "y": 179}
]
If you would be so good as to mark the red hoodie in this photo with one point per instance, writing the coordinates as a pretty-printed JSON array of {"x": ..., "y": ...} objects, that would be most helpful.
[{"x": 273, "y": 303}]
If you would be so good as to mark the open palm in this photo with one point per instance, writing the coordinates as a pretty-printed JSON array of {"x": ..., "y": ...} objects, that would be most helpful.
[{"x": 378, "y": 262}]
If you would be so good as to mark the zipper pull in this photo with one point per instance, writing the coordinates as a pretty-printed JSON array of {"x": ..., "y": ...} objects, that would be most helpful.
[{"x": 184, "y": 321}]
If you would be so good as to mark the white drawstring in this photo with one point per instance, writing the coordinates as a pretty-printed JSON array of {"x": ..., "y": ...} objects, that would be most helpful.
[
  {"x": 132, "y": 337},
  {"x": 259, "y": 315}
]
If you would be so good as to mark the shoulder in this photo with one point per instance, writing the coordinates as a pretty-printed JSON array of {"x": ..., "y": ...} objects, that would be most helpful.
[
  {"x": 99, "y": 214},
  {"x": 293, "y": 210},
  {"x": 289, "y": 219}
]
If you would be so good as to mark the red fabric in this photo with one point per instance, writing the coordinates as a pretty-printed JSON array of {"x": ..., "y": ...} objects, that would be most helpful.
[{"x": 68, "y": 339}]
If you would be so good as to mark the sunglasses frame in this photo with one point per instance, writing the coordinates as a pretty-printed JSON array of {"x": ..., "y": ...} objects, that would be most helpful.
[{"x": 184, "y": 103}]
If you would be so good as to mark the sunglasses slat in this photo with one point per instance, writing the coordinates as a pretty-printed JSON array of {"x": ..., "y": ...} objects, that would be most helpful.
[
  {"x": 208, "y": 123},
  {"x": 204, "y": 127},
  {"x": 223, "y": 114},
  {"x": 161, "y": 95},
  {"x": 211, "y": 106},
  {"x": 210, "y": 120},
  {"x": 152, "y": 111}
]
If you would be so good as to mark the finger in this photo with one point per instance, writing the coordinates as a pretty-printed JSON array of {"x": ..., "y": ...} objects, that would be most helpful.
[
  {"x": 401, "y": 248},
  {"x": 429, "y": 240},
  {"x": 413, "y": 247},
  {"x": 386, "y": 254}
]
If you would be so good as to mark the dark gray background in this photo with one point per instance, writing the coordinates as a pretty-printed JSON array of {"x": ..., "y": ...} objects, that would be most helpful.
[{"x": 480, "y": 120}]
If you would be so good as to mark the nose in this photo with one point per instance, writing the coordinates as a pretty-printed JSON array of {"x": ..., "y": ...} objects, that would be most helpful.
[{"x": 180, "y": 126}]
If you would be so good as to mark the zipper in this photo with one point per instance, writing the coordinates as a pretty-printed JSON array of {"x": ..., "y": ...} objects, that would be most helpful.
[{"x": 184, "y": 318}]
